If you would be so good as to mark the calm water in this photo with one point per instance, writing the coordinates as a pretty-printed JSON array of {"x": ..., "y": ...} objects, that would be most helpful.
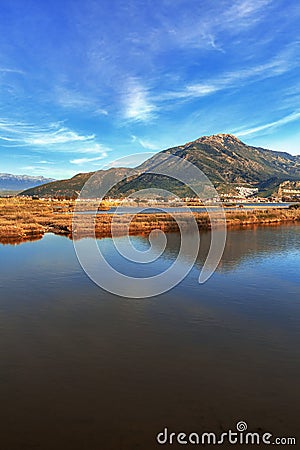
[{"x": 83, "y": 369}]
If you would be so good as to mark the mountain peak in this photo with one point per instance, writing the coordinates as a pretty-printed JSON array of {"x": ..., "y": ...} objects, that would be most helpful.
[{"x": 220, "y": 138}]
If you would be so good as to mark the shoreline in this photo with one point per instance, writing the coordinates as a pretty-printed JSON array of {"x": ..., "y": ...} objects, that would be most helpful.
[{"x": 24, "y": 220}]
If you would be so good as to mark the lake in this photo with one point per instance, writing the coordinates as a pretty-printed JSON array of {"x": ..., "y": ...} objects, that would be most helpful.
[{"x": 83, "y": 369}]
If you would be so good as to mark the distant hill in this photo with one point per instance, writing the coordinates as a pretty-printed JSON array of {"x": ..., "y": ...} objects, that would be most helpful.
[
  {"x": 72, "y": 186},
  {"x": 9, "y": 182},
  {"x": 224, "y": 159}
]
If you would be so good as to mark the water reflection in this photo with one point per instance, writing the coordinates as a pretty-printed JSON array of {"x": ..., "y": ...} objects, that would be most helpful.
[
  {"x": 251, "y": 243},
  {"x": 83, "y": 369}
]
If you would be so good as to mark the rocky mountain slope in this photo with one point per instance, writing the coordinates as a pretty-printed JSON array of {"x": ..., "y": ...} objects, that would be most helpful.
[{"x": 224, "y": 159}]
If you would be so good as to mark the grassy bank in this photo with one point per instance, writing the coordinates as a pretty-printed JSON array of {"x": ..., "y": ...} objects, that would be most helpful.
[{"x": 23, "y": 219}]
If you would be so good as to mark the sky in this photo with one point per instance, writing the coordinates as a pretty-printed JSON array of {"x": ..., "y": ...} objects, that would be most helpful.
[{"x": 85, "y": 82}]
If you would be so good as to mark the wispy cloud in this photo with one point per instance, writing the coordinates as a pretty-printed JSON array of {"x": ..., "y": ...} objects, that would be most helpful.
[
  {"x": 205, "y": 28},
  {"x": 283, "y": 121},
  {"x": 247, "y": 11},
  {"x": 79, "y": 161},
  {"x": 132, "y": 160},
  {"x": 137, "y": 105},
  {"x": 148, "y": 145},
  {"x": 280, "y": 64},
  {"x": 9, "y": 70},
  {"x": 22, "y": 134},
  {"x": 94, "y": 149},
  {"x": 101, "y": 112},
  {"x": 61, "y": 136},
  {"x": 74, "y": 99},
  {"x": 34, "y": 169},
  {"x": 56, "y": 172},
  {"x": 192, "y": 91},
  {"x": 71, "y": 98}
]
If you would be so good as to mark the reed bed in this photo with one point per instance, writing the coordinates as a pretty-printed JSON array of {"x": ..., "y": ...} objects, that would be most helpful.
[{"x": 24, "y": 219}]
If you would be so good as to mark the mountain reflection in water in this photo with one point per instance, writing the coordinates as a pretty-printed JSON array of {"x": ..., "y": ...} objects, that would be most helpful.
[{"x": 83, "y": 369}]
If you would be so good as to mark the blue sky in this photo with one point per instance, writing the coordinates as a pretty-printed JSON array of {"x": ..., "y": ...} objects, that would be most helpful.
[{"x": 85, "y": 82}]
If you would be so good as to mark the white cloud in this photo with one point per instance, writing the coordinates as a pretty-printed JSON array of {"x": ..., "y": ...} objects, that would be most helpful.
[
  {"x": 55, "y": 172},
  {"x": 145, "y": 143},
  {"x": 101, "y": 112},
  {"x": 7, "y": 70},
  {"x": 88, "y": 160},
  {"x": 132, "y": 160},
  {"x": 95, "y": 149},
  {"x": 61, "y": 136},
  {"x": 73, "y": 99},
  {"x": 70, "y": 98},
  {"x": 31, "y": 168},
  {"x": 191, "y": 91},
  {"x": 36, "y": 170},
  {"x": 148, "y": 145},
  {"x": 22, "y": 134},
  {"x": 137, "y": 106},
  {"x": 206, "y": 28},
  {"x": 280, "y": 64},
  {"x": 246, "y": 8},
  {"x": 284, "y": 120}
]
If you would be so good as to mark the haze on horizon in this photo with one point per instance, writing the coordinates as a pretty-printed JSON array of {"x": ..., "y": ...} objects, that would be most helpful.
[{"x": 84, "y": 83}]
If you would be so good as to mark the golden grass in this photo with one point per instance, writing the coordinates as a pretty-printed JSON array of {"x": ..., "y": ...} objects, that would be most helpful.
[{"x": 24, "y": 219}]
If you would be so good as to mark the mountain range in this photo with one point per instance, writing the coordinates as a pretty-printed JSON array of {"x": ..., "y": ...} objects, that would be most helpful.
[
  {"x": 9, "y": 182},
  {"x": 224, "y": 159}
]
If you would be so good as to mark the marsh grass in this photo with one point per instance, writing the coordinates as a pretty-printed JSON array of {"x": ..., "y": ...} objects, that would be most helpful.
[{"x": 24, "y": 219}]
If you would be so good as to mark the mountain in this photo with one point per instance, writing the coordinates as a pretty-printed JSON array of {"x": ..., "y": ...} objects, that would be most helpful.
[
  {"x": 11, "y": 182},
  {"x": 72, "y": 186},
  {"x": 224, "y": 159},
  {"x": 228, "y": 163}
]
